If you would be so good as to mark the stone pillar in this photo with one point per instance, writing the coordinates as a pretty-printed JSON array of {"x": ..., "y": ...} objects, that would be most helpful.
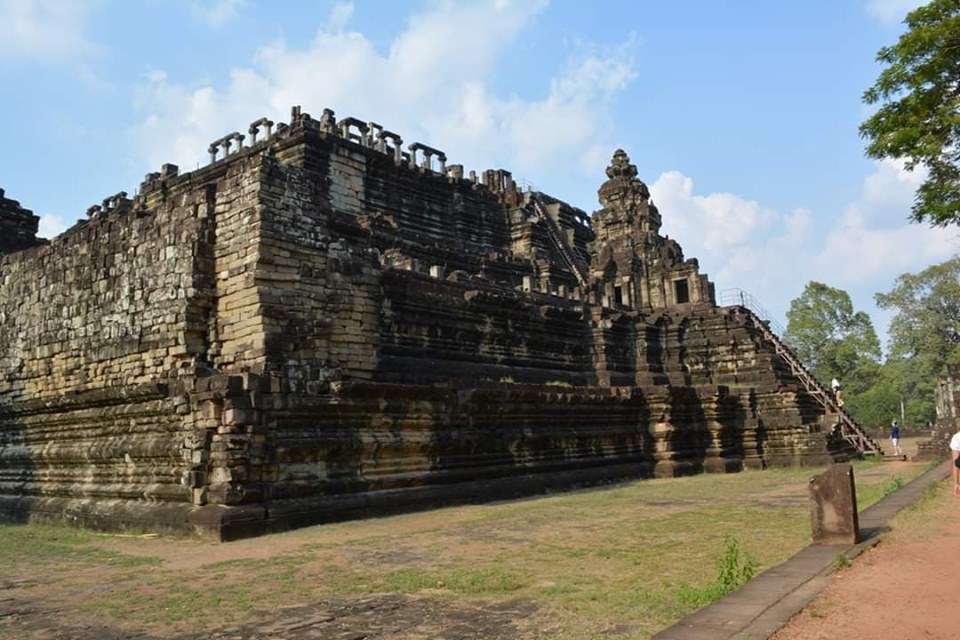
[
  {"x": 833, "y": 506},
  {"x": 254, "y": 129}
]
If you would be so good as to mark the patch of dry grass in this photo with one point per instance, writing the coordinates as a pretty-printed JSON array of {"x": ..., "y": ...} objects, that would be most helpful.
[{"x": 610, "y": 562}]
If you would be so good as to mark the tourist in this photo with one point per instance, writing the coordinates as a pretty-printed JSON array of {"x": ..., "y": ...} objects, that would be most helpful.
[
  {"x": 835, "y": 385},
  {"x": 895, "y": 438},
  {"x": 955, "y": 452}
]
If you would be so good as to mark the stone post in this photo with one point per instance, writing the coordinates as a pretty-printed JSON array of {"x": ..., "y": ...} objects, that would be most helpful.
[
  {"x": 833, "y": 506},
  {"x": 396, "y": 142}
]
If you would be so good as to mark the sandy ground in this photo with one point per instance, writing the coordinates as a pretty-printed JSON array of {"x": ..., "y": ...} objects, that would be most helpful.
[{"x": 906, "y": 588}]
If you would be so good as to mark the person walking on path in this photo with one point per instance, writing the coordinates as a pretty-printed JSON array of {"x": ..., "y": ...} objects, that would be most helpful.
[
  {"x": 955, "y": 452},
  {"x": 895, "y": 438},
  {"x": 835, "y": 385}
]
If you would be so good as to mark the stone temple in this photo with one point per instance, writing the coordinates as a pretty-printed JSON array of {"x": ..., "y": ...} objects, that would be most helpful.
[{"x": 322, "y": 324}]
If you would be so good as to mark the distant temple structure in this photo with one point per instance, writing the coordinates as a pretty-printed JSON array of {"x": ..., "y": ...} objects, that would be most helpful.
[
  {"x": 947, "y": 405},
  {"x": 324, "y": 324}
]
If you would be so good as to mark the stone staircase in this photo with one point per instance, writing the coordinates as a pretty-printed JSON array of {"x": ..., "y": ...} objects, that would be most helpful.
[
  {"x": 848, "y": 427},
  {"x": 558, "y": 240}
]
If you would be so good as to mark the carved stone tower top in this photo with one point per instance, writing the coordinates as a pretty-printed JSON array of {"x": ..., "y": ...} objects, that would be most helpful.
[
  {"x": 631, "y": 264},
  {"x": 626, "y": 198}
]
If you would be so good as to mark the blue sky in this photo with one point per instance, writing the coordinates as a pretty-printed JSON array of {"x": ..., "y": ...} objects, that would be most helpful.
[{"x": 741, "y": 116}]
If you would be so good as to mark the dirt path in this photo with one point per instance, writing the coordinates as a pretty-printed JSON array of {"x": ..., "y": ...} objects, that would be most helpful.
[{"x": 906, "y": 588}]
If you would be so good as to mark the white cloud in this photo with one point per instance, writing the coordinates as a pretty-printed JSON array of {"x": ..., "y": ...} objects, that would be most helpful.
[
  {"x": 862, "y": 249},
  {"x": 216, "y": 13},
  {"x": 52, "y": 225},
  {"x": 892, "y": 11},
  {"x": 720, "y": 220},
  {"x": 339, "y": 16},
  {"x": 49, "y": 31},
  {"x": 433, "y": 83}
]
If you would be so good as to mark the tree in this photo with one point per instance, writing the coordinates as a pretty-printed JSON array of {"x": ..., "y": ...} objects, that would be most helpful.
[
  {"x": 831, "y": 339},
  {"x": 926, "y": 327},
  {"x": 924, "y": 342},
  {"x": 895, "y": 381},
  {"x": 919, "y": 116}
]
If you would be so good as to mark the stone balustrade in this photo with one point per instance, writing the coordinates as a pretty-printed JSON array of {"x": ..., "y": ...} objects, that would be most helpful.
[
  {"x": 255, "y": 126},
  {"x": 226, "y": 143}
]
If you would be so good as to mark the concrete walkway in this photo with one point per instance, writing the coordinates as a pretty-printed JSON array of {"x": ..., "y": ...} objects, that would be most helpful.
[{"x": 766, "y": 603}]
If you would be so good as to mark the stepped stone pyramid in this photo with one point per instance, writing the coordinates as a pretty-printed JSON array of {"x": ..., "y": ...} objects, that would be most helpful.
[{"x": 321, "y": 324}]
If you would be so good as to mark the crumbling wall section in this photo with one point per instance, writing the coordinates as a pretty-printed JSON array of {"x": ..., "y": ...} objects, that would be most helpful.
[{"x": 18, "y": 226}]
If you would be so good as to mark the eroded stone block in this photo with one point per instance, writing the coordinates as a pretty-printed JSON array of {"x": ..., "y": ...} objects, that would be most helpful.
[{"x": 833, "y": 506}]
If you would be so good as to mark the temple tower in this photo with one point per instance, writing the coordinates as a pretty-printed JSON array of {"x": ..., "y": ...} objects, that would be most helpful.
[{"x": 632, "y": 265}]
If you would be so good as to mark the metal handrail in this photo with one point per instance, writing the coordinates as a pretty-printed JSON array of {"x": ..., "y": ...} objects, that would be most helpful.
[
  {"x": 741, "y": 298},
  {"x": 554, "y": 232}
]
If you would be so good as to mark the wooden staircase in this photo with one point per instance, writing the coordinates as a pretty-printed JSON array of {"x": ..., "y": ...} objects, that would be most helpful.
[{"x": 849, "y": 429}]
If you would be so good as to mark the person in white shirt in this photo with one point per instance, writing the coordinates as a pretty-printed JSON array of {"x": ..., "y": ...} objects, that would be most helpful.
[
  {"x": 955, "y": 452},
  {"x": 835, "y": 385}
]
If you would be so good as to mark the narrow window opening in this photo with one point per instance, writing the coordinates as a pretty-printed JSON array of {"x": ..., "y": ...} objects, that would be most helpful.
[{"x": 682, "y": 291}]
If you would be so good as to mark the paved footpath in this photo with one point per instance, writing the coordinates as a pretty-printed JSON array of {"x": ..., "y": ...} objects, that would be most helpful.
[{"x": 766, "y": 603}]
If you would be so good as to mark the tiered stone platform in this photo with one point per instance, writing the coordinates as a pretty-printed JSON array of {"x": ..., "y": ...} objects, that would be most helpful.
[{"x": 323, "y": 325}]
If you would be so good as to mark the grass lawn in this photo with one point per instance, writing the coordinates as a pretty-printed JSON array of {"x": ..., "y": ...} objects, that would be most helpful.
[{"x": 616, "y": 562}]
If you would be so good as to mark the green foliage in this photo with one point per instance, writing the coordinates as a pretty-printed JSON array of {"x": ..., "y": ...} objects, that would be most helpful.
[
  {"x": 734, "y": 569},
  {"x": 924, "y": 339},
  {"x": 834, "y": 340},
  {"x": 831, "y": 338},
  {"x": 892, "y": 485},
  {"x": 840, "y": 562},
  {"x": 895, "y": 380},
  {"x": 927, "y": 324},
  {"x": 918, "y": 93}
]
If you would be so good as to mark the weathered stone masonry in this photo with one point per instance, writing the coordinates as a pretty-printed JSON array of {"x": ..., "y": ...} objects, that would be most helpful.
[
  {"x": 18, "y": 226},
  {"x": 322, "y": 325}
]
